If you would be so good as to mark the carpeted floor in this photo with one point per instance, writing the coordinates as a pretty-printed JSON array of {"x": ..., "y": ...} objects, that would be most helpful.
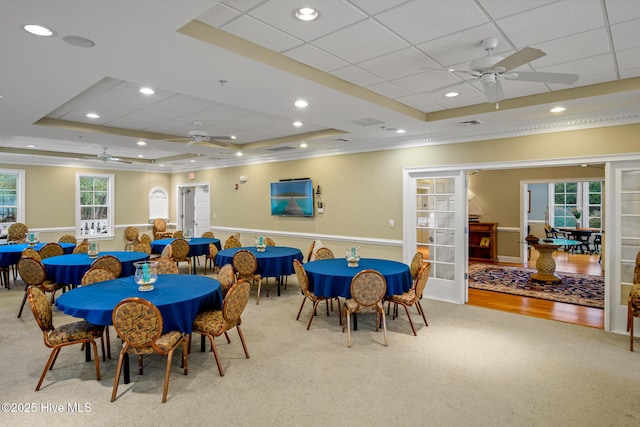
[{"x": 580, "y": 289}]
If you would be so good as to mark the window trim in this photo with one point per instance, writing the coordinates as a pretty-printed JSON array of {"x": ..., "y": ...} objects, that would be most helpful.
[
  {"x": 582, "y": 199},
  {"x": 110, "y": 205},
  {"x": 20, "y": 182}
]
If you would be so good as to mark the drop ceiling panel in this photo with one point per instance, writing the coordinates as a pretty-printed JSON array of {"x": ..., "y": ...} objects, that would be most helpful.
[
  {"x": 629, "y": 59},
  {"x": 374, "y": 7},
  {"x": 218, "y": 15},
  {"x": 398, "y": 64},
  {"x": 358, "y": 76},
  {"x": 316, "y": 58},
  {"x": 575, "y": 46},
  {"x": 501, "y": 8},
  {"x": 625, "y": 35},
  {"x": 622, "y": 10},
  {"x": 270, "y": 37}
]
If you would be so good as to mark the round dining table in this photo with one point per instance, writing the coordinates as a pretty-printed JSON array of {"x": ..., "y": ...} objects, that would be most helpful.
[
  {"x": 69, "y": 269},
  {"x": 332, "y": 277},
  {"x": 10, "y": 255},
  {"x": 198, "y": 246},
  {"x": 275, "y": 261}
]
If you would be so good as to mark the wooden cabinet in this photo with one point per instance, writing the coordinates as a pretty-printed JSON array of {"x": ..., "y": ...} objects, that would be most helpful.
[{"x": 482, "y": 241}]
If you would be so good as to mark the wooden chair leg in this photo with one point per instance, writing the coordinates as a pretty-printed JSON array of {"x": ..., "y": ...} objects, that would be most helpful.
[
  {"x": 304, "y": 299},
  {"x": 167, "y": 371},
  {"x": 244, "y": 344},
  {"x": 421, "y": 311}
]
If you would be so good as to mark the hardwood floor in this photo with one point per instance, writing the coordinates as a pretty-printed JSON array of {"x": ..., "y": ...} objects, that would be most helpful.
[{"x": 570, "y": 313}]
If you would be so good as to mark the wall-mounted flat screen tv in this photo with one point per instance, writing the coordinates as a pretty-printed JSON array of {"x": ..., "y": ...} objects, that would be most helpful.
[{"x": 292, "y": 198}]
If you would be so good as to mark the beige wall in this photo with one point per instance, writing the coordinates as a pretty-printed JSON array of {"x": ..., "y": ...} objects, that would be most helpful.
[{"x": 361, "y": 192}]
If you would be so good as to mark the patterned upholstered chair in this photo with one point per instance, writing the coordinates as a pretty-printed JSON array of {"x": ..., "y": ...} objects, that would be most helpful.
[
  {"x": 213, "y": 323},
  {"x": 211, "y": 258},
  {"x": 17, "y": 233},
  {"x": 245, "y": 265},
  {"x": 232, "y": 242},
  {"x": 301, "y": 274},
  {"x": 144, "y": 238},
  {"x": 226, "y": 277},
  {"x": 50, "y": 249},
  {"x": 108, "y": 262},
  {"x": 160, "y": 229},
  {"x": 178, "y": 234},
  {"x": 180, "y": 252},
  {"x": 97, "y": 275},
  {"x": 324, "y": 253},
  {"x": 208, "y": 235},
  {"x": 310, "y": 252},
  {"x": 139, "y": 323},
  {"x": 34, "y": 274},
  {"x": 633, "y": 304},
  {"x": 166, "y": 266},
  {"x": 68, "y": 238},
  {"x": 269, "y": 241},
  {"x": 141, "y": 247},
  {"x": 412, "y": 296},
  {"x": 82, "y": 248},
  {"x": 416, "y": 263},
  {"x": 80, "y": 332},
  {"x": 367, "y": 290},
  {"x": 31, "y": 253},
  {"x": 131, "y": 236}
]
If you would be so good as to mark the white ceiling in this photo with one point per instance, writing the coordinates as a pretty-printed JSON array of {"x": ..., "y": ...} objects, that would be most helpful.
[{"x": 365, "y": 67}]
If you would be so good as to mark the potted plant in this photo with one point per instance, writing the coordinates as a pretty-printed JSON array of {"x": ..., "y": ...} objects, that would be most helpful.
[{"x": 577, "y": 213}]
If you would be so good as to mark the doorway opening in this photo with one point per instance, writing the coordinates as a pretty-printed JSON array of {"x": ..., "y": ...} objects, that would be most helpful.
[{"x": 194, "y": 208}]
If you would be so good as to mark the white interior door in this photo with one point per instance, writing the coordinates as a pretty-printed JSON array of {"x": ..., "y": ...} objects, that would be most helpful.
[
  {"x": 435, "y": 222},
  {"x": 202, "y": 210}
]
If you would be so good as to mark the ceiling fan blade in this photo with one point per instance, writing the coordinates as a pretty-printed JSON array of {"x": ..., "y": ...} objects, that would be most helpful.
[
  {"x": 533, "y": 76},
  {"x": 519, "y": 58},
  {"x": 213, "y": 141},
  {"x": 493, "y": 91}
]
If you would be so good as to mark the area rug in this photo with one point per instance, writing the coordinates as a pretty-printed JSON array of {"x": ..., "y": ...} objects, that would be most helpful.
[{"x": 579, "y": 289}]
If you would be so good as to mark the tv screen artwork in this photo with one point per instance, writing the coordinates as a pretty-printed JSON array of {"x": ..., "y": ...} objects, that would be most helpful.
[{"x": 292, "y": 198}]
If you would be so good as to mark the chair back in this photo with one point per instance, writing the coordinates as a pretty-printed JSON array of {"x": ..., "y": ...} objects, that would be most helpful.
[
  {"x": 68, "y": 238},
  {"x": 145, "y": 238},
  {"x": 82, "y": 248},
  {"x": 96, "y": 275},
  {"x": 178, "y": 234},
  {"x": 232, "y": 242},
  {"x": 301, "y": 274},
  {"x": 213, "y": 251},
  {"x": 180, "y": 250},
  {"x": 416, "y": 263},
  {"x": 368, "y": 288},
  {"x": 17, "y": 232},
  {"x": 41, "y": 308},
  {"x": 32, "y": 271},
  {"x": 166, "y": 266},
  {"x": 636, "y": 270},
  {"x": 244, "y": 263},
  {"x": 131, "y": 233},
  {"x": 51, "y": 249},
  {"x": 269, "y": 241},
  {"x": 142, "y": 247},
  {"x": 235, "y": 302},
  {"x": 310, "y": 252},
  {"x": 324, "y": 253},
  {"x": 208, "y": 235},
  {"x": 159, "y": 225},
  {"x": 167, "y": 252},
  {"x": 138, "y": 323},
  {"x": 31, "y": 253},
  {"x": 226, "y": 277},
  {"x": 421, "y": 279},
  {"x": 108, "y": 262}
]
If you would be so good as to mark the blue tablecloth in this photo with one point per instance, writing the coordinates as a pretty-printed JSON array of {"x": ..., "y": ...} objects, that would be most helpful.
[
  {"x": 10, "y": 254},
  {"x": 197, "y": 245},
  {"x": 179, "y": 297},
  {"x": 69, "y": 269},
  {"x": 332, "y": 277},
  {"x": 275, "y": 261}
]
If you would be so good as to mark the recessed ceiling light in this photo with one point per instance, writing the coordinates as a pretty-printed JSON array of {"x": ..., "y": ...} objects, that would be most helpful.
[
  {"x": 140, "y": 155},
  {"x": 301, "y": 103},
  {"x": 306, "y": 14},
  {"x": 147, "y": 91},
  {"x": 233, "y": 137},
  {"x": 239, "y": 154},
  {"x": 141, "y": 143},
  {"x": 161, "y": 165},
  {"x": 93, "y": 115},
  {"x": 557, "y": 109},
  {"x": 37, "y": 30},
  {"x": 304, "y": 145},
  {"x": 400, "y": 131},
  {"x": 451, "y": 94},
  {"x": 297, "y": 124},
  {"x": 31, "y": 146},
  {"x": 192, "y": 161}
]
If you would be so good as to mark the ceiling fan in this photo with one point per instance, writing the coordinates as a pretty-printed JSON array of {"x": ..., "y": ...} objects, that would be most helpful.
[
  {"x": 106, "y": 157},
  {"x": 490, "y": 70},
  {"x": 197, "y": 135}
]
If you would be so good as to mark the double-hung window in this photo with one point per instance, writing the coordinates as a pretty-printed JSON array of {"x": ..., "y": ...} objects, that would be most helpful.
[
  {"x": 94, "y": 206},
  {"x": 11, "y": 197}
]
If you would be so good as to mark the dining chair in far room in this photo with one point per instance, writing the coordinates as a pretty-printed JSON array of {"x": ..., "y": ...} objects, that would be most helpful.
[
  {"x": 412, "y": 297},
  {"x": 416, "y": 263},
  {"x": 82, "y": 248},
  {"x": 303, "y": 279},
  {"x": 138, "y": 323},
  {"x": 178, "y": 234},
  {"x": 367, "y": 291},
  {"x": 166, "y": 266},
  {"x": 68, "y": 238},
  {"x": 145, "y": 238},
  {"x": 142, "y": 247},
  {"x": 269, "y": 241},
  {"x": 97, "y": 275},
  {"x": 160, "y": 229},
  {"x": 324, "y": 253},
  {"x": 31, "y": 253},
  {"x": 633, "y": 303},
  {"x": 180, "y": 252},
  {"x": 208, "y": 235},
  {"x": 310, "y": 251},
  {"x": 211, "y": 258},
  {"x": 17, "y": 233},
  {"x": 213, "y": 323},
  {"x": 50, "y": 249},
  {"x": 81, "y": 332},
  {"x": 131, "y": 234},
  {"x": 232, "y": 242},
  {"x": 34, "y": 274},
  {"x": 245, "y": 264},
  {"x": 108, "y": 262}
]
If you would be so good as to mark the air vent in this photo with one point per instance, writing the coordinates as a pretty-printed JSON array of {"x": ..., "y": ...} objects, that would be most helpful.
[
  {"x": 367, "y": 122},
  {"x": 285, "y": 148},
  {"x": 469, "y": 123},
  {"x": 343, "y": 140}
]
